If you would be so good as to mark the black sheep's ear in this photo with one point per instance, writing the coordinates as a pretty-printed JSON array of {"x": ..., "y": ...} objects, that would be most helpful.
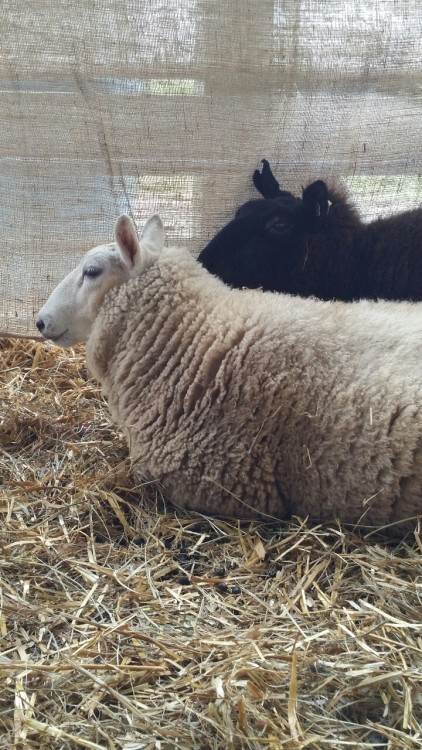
[
  {"x": 265, "y": 182},
  {"x": 315, "y": 202}
]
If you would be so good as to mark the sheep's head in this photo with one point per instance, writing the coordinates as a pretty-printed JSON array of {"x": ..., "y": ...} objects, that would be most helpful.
[
  {"x": 69, "y": 313},
  {"x": 314, "y": 198},
  {"x": 267, "y": 239}
]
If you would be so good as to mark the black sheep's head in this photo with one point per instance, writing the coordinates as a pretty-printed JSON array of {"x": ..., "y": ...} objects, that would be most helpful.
[
  {"x": 257, "y": 244},
  {"x": 266, "y": 240},
  {"x": 315, "y": 202}
]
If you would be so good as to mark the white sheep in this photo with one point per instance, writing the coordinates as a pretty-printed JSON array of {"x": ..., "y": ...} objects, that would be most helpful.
[{"x": 246, "y": 403}]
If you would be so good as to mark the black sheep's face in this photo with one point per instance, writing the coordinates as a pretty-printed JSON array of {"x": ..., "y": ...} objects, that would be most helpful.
[
  {"x": 286, "y": 220},
  {"x": 307, "y": 213},
  {"x": 275, "y": 224},
  {"x": 266, "y": 241},
  {"x": 255, "y": 247}
]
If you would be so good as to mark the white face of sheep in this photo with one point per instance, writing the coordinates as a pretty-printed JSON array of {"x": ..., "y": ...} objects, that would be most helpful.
[{"x": 70, "y": 311}]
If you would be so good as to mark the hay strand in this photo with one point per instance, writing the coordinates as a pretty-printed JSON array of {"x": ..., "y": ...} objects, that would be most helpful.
[{"x": 126, "y": 624}]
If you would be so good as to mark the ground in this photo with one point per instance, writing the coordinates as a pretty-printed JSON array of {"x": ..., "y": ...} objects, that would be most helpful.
[{"x": 126, "y": 623}]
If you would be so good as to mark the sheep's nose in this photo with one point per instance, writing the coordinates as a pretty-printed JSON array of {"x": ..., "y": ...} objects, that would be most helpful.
[{"x": 40, "y": 324}]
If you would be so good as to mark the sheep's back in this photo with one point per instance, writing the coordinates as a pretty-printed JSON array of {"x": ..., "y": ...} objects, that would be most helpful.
[
  {"x": 244, "y": 403},
  {"x": 390, "y": 255}
]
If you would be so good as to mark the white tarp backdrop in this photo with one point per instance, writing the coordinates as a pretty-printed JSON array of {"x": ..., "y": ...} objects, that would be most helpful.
[{"x": 169, "y": 105}]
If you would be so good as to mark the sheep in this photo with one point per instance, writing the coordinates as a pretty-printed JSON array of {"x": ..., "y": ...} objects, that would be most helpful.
[
  {"x": 317, "y": 246},
  {"x": 245, "y": 403}
]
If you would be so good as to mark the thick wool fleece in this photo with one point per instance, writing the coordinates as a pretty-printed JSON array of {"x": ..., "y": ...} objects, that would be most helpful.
[
  {"x": 244, "y": 403},
  {"x": 389, "y": 251},
  {"x": 328, "y": 265}
]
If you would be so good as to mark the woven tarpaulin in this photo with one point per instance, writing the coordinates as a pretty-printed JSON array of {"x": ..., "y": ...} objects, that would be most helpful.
[{"x": 169, "y": 105}]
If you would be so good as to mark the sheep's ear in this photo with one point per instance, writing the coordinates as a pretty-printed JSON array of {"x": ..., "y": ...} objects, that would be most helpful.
[
  {"x": 315, "y": 202},
  {"x": 152, "y": 235},
  {"x": 265, "y": 182},
  {"x": 127, "y": 240}
]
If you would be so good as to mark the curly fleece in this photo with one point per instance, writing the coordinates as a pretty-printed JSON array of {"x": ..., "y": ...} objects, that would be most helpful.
[{"x": 243, "y": 403}]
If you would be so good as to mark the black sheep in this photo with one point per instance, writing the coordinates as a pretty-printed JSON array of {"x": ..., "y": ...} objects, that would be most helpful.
[{"x": 317, "y": 246}]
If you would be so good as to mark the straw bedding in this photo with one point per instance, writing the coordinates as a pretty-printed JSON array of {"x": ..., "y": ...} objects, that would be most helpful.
[{"x": 127, "y": 624}]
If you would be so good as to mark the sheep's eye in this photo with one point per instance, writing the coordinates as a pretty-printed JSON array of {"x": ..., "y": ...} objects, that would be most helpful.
[
  {"x": 91, "y": 272},
  {"x": 276, "y": 225}
]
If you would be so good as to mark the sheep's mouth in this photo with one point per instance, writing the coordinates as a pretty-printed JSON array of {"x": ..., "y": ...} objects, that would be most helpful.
[{"x": 55, "y": 339}]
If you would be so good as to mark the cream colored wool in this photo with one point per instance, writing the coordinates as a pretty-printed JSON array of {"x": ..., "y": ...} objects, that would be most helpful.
[{"x": 244, "y": 403}]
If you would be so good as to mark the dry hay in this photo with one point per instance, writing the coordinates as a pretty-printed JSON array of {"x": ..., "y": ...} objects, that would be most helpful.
[{"x": 126, "y": 624}]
